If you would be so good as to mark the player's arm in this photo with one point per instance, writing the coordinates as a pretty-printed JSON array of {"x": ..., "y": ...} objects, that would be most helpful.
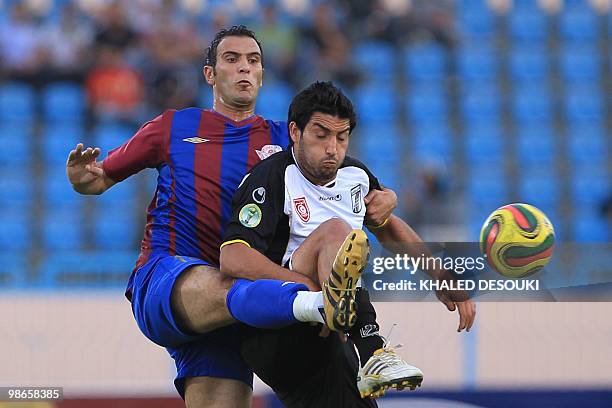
[
  {"x": 145, "y": 149},
  {"x": 239, "y": 260},
  {"x": 252, "y": 228},
  {"x": 397, "y": 237}
]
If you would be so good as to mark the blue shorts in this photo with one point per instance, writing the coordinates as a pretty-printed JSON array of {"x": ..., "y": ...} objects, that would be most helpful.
[{"x": 214, "y": 354}]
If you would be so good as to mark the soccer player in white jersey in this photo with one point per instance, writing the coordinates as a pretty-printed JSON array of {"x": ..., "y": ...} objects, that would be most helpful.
[{"x": 304, "y": 208}]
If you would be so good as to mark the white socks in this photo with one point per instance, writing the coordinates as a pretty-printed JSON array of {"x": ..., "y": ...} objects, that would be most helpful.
[{"x": 306, "y": 306}]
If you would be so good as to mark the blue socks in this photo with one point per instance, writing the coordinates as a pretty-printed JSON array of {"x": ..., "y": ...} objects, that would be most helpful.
[{"x": 265, "y": 303}]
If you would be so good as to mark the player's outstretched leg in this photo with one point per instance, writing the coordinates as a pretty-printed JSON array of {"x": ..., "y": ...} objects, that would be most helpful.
[
  {"x": 340, "y": 287},
  {"x": 380, "y": 367}
]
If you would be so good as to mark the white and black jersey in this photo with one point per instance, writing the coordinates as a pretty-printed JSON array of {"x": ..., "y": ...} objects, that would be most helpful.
[{"x": 275, "y": 208}]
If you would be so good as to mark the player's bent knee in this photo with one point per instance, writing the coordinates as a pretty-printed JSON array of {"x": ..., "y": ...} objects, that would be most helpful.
[
  {"x": 334, "y": 229},
  {"x": 208, "y": 392}
]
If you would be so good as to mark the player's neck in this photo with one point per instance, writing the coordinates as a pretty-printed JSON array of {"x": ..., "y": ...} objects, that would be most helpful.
[{"x": 234, "y": 113}]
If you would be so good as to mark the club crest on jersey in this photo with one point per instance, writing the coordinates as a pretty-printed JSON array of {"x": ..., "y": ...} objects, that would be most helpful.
[
  {"x": 301, "y": 208},
  {"x": 268, "y": 150},
  {"x": 250, "y": 215},
  {"x": 356, "y": 199},
  {"x": 259, "y": 195}
]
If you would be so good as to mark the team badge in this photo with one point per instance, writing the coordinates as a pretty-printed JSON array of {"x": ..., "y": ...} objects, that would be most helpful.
[
  {"x": 268, "y": 150},
  {"x": 301, "y": 207},
  {"x": 356, "y": 199},
  {"x": 259, "y": 195},
  {"x": 250, "y": 215}
]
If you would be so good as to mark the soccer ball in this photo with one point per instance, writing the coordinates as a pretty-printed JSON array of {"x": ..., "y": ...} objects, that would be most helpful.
[{"x": 517, "y": 240}]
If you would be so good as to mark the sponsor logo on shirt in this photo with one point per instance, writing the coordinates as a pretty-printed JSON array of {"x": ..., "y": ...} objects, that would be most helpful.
[
  {"x": 196, "y": 140},
  {"x": 301, "y": 208},
  {"x": 250, "y": 215},
  {"x": 356, "y": 199},
  {"x": 268, "y": 150},
  {"x": 259, "y": 195},
  {"x": 337, "y": 197}
]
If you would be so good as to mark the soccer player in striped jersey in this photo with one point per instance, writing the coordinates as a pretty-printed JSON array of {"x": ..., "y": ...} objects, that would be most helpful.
[{"x": 178, "y": 295}]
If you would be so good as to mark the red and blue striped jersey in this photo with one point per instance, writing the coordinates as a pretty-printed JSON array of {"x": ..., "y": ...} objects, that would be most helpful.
[{"x": 201, "y": 157}]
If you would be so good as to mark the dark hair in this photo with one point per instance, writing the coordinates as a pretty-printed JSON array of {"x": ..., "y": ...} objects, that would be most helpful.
[
  {"x": 234, "y": 31},
  {"x": 321, "y": 97}
]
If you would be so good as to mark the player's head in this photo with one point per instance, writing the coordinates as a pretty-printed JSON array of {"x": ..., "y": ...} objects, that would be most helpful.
[
  {"x": 234, "y": 67},
  {"x": 321, "y": 119}
]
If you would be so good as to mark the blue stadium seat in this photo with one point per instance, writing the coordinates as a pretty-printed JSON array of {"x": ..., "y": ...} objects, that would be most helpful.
[
  {"x": 478, "y": 62},
  {"x": 369, "y": 54},
  {"x": 58, "y": 139},
  {"x": 590, "y": 183},
  {"x": 528, "y": 25},
  {"x": 121, "y": 195},
  {"x": 536, "y": 144},
  {"x": 17, "y": 102},
  {"x": 273, "y": 101},
  {"x": 425, "y": 63},
  {"x": 591, "y": 227},
  {"x": 432, "y": 141},
  {"x": 476, "y": 20},
  {"x": 17, "y": 144},
  {"x": 110, "y": 135},
  {"x": 583, "y": 104},
  {"x": 13, "y": 269},
  {"x": 487, "y": 185},
  {"x": 16, "y": 188},
  {"x": 116, "y": 232},
  {"x": 378, "y": 143},
  {"x": 587, "y": 143},
  {"x": 205, "y": 96},
  {"x": 63, "y": 229},
  {"x": 427, "y": 103},
  {"x": 580, "y": 62},
  {"x": 57, "y": 191},
  {"x": 376, "y": 104},
  {"x": 64, "y": 101},
  {"x": 578, "y": 23},
  {"x": 91, "y": 269},
  {"x": 539, "y": 186},
  {"x": 484, "y": 144},
  {"x": 529, "y": 63},
  {"x": 16, "y": 233},
  {"x": 532, "y": 102},
  {"x": 480, "y": 103}
]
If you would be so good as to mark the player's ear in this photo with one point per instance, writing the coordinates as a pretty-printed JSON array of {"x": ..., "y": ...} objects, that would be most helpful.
[
  {"x": 209, "y": 74},
  {"x": 294, "y": 132}
]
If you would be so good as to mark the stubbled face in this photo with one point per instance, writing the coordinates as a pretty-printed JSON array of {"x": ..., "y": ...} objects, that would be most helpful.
[
  {"x": 238, "y": 74},
  {"x": 320, "y": 149}
]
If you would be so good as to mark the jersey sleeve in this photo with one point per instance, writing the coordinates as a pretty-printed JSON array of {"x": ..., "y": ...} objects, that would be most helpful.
[
  {"x": 373, "y": 181},
  {"x": 146, "y": 149},
  {"x": 257, "y": 207}
]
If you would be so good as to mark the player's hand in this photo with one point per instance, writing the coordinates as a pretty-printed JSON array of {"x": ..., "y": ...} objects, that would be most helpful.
[
  {"x": 82, "y": 167},
  {"x": 379, "y": 206},
  {"x": 458, "y": 300},
  {"x": 85, "y": 173}
]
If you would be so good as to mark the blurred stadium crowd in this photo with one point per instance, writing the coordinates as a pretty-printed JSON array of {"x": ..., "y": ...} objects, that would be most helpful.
[{"x": 463, "y": 106}]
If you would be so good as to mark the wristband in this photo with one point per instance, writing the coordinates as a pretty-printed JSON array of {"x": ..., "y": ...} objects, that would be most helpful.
[{"x": 379, "y": 225}]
